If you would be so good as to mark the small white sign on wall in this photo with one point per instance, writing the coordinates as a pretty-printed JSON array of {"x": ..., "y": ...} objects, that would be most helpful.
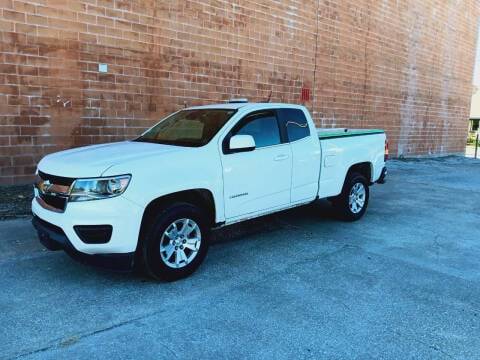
[{"x": 103, "y": 68}]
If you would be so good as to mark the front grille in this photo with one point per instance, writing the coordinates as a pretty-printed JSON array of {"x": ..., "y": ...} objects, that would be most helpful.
[
  {"x": 53, "y": 196},
  {"x": 54, "y": 179}
]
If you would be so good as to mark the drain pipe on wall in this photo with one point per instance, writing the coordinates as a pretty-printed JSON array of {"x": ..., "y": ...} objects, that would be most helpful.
[{"x": 476, "y": 145}]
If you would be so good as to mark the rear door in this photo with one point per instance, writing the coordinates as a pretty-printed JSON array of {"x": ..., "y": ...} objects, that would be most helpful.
[
  {"x": 305, "y": 154},
  {"x": 260, "y": 179}
]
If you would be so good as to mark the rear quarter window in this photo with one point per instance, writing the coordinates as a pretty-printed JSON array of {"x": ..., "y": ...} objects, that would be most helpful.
[{"x": 295, "y": 122}]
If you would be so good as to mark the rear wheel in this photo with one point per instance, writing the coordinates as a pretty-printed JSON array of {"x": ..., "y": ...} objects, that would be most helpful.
[
  {"x": 176, "y": 242},
  {"x": 352, "y": 203}
]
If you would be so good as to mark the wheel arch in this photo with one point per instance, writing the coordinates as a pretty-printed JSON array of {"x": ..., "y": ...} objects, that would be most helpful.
[
  {"x": 203, "y": 198},
  {"x": 363, "y": 168}
]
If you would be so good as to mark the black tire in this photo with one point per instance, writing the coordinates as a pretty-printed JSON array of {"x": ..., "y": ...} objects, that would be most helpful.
[
  {"x": 153, "y": 262},
  {"x": 341, "y": 202}
]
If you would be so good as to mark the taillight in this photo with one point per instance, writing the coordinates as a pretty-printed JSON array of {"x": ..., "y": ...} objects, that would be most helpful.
[{"x": 385, "y": 157}]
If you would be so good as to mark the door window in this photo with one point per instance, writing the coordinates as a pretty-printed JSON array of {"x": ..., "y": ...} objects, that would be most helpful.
[{"x": 263, "y": 127}]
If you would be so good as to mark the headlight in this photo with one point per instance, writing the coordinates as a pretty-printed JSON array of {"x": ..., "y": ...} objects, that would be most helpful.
[{"x": 99, "y": 188}]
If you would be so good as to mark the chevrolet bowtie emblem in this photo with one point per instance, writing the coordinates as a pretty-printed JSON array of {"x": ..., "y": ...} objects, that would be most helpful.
[{"x": 45, "y": 186}]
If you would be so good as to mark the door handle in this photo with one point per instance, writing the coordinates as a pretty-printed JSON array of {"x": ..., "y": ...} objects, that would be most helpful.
[{"x": 281, "y": 157}]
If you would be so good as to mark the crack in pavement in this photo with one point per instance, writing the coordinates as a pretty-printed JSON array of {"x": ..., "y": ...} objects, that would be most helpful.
[{"x": 62, "y": 342}]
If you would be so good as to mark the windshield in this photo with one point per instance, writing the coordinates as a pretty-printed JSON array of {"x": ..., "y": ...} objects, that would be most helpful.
[{"x": 188, "y": 127}]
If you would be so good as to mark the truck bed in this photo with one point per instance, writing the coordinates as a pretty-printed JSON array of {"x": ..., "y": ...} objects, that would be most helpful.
[
  {"x": 342, "y": 147},
  {"x": 332, "y": 133}
]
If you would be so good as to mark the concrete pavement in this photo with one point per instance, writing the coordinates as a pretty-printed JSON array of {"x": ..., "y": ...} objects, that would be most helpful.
[{"x": 403, "y": 282}]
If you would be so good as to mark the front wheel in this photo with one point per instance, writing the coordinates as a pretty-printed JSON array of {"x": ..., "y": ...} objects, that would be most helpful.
[
  {"x": 352, "y": 203},
  {"x": 176, "y": 242}
]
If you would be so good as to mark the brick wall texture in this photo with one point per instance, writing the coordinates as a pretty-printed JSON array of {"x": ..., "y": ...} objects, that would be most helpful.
[{"x": 402, "y": 65}]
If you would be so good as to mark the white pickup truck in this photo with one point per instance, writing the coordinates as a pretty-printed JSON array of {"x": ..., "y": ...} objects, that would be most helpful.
[{"x": 152, "y": 201}]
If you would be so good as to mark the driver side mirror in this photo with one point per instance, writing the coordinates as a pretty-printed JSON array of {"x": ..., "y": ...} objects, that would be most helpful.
[{"x": 240, "y": 143}]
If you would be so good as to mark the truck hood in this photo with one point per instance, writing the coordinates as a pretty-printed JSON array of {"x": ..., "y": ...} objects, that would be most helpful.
[{"x": 93, "y": 161}]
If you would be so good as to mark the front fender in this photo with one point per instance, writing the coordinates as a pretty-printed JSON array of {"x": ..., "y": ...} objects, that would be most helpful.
[{"x": 194, "y": 168}]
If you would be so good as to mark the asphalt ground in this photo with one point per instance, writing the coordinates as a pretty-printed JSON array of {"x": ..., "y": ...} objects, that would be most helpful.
[{"x": 401, "y": 283}]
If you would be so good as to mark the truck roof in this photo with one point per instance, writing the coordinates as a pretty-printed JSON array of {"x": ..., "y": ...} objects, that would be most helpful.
[{"x": 249, "y": 105}]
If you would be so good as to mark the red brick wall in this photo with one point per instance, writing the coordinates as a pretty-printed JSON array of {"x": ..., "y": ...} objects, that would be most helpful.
[{"x": 405, "y": 66}]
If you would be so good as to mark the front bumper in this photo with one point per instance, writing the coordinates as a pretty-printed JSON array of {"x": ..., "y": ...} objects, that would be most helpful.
[
  {"x": 53, "y": 238},
  {"x": 123, "y": 215}
]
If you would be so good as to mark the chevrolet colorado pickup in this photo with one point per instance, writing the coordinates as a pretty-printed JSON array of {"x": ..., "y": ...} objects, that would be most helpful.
[{"x": 152, "y": 201}]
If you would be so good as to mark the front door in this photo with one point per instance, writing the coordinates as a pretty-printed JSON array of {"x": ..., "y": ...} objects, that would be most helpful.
[{"x": 260, "y": 179}]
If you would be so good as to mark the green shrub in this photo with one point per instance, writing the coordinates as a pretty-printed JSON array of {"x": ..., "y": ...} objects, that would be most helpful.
[{"x": 471, "y": 138}]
